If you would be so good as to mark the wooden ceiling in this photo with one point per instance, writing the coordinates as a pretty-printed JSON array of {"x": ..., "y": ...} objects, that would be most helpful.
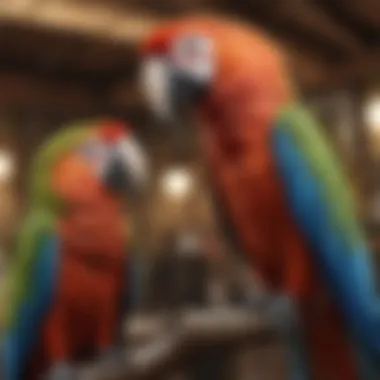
[{"x": 80, "y": 54}]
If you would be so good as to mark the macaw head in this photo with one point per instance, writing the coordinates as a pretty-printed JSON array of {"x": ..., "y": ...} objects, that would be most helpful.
[
  {"x": 87, "y": 162},
  {"x": 190, "y": 61}
]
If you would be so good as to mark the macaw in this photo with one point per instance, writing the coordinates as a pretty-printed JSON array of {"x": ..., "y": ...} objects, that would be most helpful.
[
  {"x": 278, "y": 184},
  {"x": 70, "y": 282}
]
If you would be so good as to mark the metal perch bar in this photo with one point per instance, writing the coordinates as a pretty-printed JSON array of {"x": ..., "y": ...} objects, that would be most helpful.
[{"x": 193, "y": 331}]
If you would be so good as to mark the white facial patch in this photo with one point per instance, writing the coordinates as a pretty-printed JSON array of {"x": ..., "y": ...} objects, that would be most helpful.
[
  {"x": 155, "y": 82},
  {"x": 135, "y": 160},
  {"x": 96, "y": 154},
  {"x": 194, "y": 55}
]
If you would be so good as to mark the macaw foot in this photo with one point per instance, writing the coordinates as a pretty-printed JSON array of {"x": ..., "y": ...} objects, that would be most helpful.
[{"x": 62, "y": 371}]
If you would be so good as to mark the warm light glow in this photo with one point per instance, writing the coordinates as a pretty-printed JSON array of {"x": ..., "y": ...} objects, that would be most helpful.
[
  {"x": 372, "y": 114},
  {"x": 177, "y": 183},
  {"x": 6, "y": 166}
]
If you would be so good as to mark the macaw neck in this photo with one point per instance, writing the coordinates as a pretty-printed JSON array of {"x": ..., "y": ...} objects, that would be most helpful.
[
  {"x": 239, "y": 112},
  {"x": 237, "y": 123}
]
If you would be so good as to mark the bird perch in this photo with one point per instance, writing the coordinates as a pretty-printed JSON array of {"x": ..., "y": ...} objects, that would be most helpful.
[{"x": 193, "y": 332}]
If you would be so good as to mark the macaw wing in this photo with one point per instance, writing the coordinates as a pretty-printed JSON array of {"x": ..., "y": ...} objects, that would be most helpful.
[
  {"x": 318, "y": 198},
  {"x": 32, "y": 290}
]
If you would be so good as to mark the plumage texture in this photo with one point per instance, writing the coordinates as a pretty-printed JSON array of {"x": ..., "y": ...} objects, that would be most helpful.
[
  {"x": 320, "y": 204},
  {"x": 34, "y": 283},
  {"x": 299, "y": 126},
  {"x": 70, "y": 260},
  {"x": 279, "y": 184},
  {"x": 41, "y": 193}
]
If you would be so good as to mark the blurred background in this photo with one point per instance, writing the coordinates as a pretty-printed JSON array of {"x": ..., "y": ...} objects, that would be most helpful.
[{"x": 63, "y": 60}]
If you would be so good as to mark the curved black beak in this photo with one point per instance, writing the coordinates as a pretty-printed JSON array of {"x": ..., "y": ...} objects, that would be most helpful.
[
  {"x": 127, "y": 169},
  {"x": 185, "y": 92},
  {"x": 116, "y": 177},
  {"x": 170, "y": 92}
]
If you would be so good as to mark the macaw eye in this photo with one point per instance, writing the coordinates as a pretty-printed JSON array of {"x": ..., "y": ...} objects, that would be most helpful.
[{"x": 194, "y": 54}]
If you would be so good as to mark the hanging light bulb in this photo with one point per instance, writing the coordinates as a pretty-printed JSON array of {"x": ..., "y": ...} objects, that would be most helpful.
[
  {"x": 176, "y": 183},
  {"x": 6, "y": 166},
  {"x": 372, "y": 114}
]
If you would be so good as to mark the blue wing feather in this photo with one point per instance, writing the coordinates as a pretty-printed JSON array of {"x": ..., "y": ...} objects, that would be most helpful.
[
  {"x": 20, "y": 339},
  {"x": 346, "y": 269}
]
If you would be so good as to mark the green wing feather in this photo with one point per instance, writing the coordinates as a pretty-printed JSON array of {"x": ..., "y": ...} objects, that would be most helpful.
[
  {"x": 41, "y": 193},
  {"x": 44, "y": 204},
  {"x": 321, "y": 159}
]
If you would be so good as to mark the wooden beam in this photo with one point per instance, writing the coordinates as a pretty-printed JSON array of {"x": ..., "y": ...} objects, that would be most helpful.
[
  {"x": 359, "y": 23},
  {"x": 130, "y": 26},
  {"x": 91, "y": 19},
  {"x": 308, "y": 71},
  {"x": 308, "y": 18},
  {"x": 366, "y": 11},
  {"x": 302, "y": 23},
  {"x": 127, "y": 28},
  {"x": 21, "y": 89},
  {"x": 359, "y": 70}
]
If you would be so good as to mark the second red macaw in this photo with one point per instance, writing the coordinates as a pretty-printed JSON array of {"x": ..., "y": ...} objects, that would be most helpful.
[{"x": 278, "y": 185}]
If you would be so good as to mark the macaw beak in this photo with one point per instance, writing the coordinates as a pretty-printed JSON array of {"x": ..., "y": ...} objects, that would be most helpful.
[
  {"x": 169, "y": 92},
  {"x": 127, "y": 168}
]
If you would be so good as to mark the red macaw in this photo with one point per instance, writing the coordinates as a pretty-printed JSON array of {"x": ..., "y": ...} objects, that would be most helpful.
[
  {"x": 278, "y": 185},
  {"x": 70, "y": 280}
]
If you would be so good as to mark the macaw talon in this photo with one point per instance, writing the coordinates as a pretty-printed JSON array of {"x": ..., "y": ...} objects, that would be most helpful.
[{"x": 62, "y": 371}]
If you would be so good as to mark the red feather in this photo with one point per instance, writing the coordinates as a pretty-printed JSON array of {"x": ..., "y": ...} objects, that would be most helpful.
[
  {"x": 250, "y": 87},
  {"x": 113, "y": 131}
]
